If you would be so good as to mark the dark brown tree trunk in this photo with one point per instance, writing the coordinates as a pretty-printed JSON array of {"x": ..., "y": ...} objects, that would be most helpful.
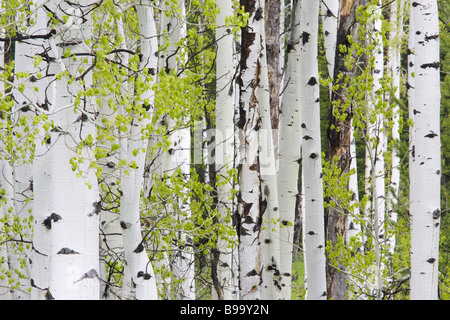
[{"x": 339, "y": 135}]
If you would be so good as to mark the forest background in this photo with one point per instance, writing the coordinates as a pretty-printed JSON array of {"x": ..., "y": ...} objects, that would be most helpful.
[{"x": 112, "y": 109}]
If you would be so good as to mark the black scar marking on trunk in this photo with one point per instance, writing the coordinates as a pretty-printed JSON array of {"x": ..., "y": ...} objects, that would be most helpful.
[
  {"x": 434, "y": 65},
  {"x": 91, "y": 274},
  {"x": 431, "y": 135},
  {"x": 67, "y": 251},
  {"x": 97, "y": 209},
  {"x": 432, "y": 37},
  {"x": 436, "y": 213},
  {"x": 48, "y": 221},
  {"x": 258, "y": 14},
  {"x": 305, "y": 37},
  {"x": 312, "y": 81},
  {"x": 139, "y": 248}
]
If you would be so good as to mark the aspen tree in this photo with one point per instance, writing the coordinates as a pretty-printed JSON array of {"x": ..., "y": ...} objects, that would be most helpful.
[
  {"x": 314, "y": 231},
  {"x": 224, "y": 142},
  {"x": 111, "y": 247},
  {"x": 178, "y": 160},
  {"x": 270, "y": 243},
  {"x": 376, "y": 147},
  {"x": 397, "y": 14},
  {"x": 41, "y": 168},
  {"x": 339, "y": 133},
  {"x": 289, "y": 149},
  {"x": 136, "y": 257},
  {"x": 250, "y": 208},
  {"x": 273, "y": 18},
  {"x": 74, "y": 221},
  {"x": 329, "y": 11},
  {"x": 426, "y": 167}
]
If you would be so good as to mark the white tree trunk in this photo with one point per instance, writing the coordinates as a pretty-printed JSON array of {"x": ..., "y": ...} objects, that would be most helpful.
[
  {"x": 270, "y": 243},
  {"x": 224, "y": 142},
  {"x": 426, "y": 168},
  {"x": 180, "y": 155},
  {"x": 140, "y": 268},
  {"x": 74, "y": 252},
  {"x": 289, "y": 150},
  {"x": 395, "y": 69},
  {"x": 354, "y": 219},
  {"x": 330, "y": 12},
  {"x": 375, "y": 150},
  {"x": 40, "y": 171},
  {"x": 250, "y": 209},
  {"x": 312, "y": 153}
]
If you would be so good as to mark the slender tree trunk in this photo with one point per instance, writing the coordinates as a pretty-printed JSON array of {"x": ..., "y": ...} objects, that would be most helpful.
[
  {"x": 329, "y": 12},
  {"x": 142, "y": 275},
  {"x": 339, "y": 135},
  {"x": 378, "y": 145},
  {"x": 224, "y": 145},
  {"x": 354, "y": 218},
  {"x": 395, "y": 69},
  {"x": 41, "y": 174},
  {"x": 250, "y": 210},
  {"x": 312, "y": 153},
  {"x": 74, "y": 221},
  {"x": 272, "y": 18},
  {"x": 289, "y": 150},
  {"x": 180, "y": 155},
  {"x": 111, "y": 238},
  {"x": 426, "y": 169},
  {"x": 270, "y": 226}
]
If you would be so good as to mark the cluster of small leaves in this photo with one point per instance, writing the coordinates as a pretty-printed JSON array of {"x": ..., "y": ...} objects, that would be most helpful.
[{"x": 358, "y": 256}]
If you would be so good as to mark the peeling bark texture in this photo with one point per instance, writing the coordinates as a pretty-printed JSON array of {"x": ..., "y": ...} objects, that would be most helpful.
[
  {"x": 267, "y": 223},
  {"x": 249, "y": 202},
  {"x": 425, "y": 187},
  {"x": 272, "y": 26},
  {"x": 339, "y": 135}
]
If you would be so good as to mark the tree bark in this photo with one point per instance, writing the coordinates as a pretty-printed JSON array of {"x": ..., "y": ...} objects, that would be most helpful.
[
  {"x": 271, "y": 289},
  {"x": 289, "y": 150},
  {"x": 339, "y": 134},
  {"x": 74, "y": 221},
  {"x": 40, "y": 172},
  {"x": 272, "y": 28},
  {"x": 426, "y": 169},
  {"x": 250, "y": 202},
  {"x": 224, "y": 144},
  {"x": 314, "y": 230},
  {"x": 141, "y": 270}
]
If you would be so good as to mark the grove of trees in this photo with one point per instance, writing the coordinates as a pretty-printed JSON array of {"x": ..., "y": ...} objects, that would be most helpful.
[{"x": 224, "y": 149}]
